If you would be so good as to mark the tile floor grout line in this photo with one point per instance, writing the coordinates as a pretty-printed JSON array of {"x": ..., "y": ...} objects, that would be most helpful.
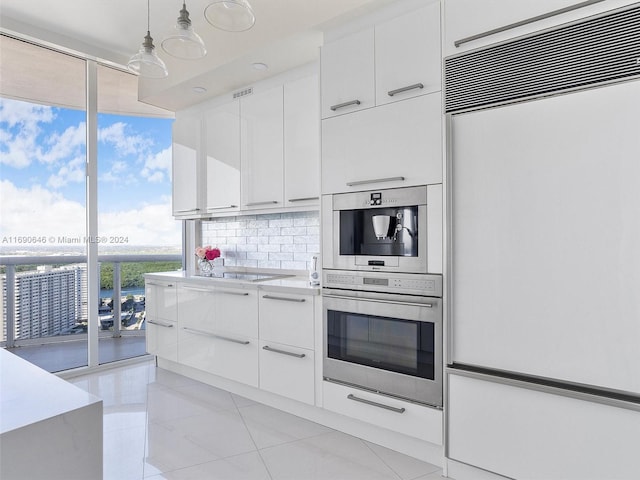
[
  {"x": 266, "y": 467},
  {"x": 381, "y": 459}
]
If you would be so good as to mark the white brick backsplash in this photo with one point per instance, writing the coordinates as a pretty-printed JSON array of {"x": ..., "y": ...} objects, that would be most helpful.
[{"x": 276, "y": 240}]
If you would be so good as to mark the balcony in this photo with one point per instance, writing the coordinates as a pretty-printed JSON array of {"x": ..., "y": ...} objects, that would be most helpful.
[{"x": 45, "y": 317}]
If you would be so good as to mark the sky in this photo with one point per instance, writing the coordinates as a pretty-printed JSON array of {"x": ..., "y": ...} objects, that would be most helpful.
[{"x": 42, "y": 177}]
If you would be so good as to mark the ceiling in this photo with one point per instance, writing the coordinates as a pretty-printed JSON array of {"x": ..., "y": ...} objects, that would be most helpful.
[{"x": 287, "y": 33}]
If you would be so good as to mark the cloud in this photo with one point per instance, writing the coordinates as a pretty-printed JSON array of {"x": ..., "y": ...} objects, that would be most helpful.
[
  {"x": 72, "y": 172},
  {"x": 19, "y": 131},
  {"x": 63, "y": 145},
  {"x": 38, "y": 212},
  {"x": 116, "y": 135},
  {"x": 158, "y": 166}
]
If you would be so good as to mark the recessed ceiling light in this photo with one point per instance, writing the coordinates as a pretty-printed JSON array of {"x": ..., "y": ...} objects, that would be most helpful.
[
  {"x": 260, "y": 66},
  {"x": 199, "y": 89}
]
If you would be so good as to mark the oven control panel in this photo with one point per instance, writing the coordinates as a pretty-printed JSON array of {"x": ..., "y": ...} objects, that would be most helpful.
[{"x": 416, "y": 284}]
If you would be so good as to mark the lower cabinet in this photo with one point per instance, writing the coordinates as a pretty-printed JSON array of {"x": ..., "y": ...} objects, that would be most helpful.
[
  {"x": 523, "y": 433},
  {"x": 161, "y": 319},
  {"x": 232, "y": 357},
  {"x": 287, "y": 371},
  {"x": 400, "y": 416},
  {"x": 162, "y": 338}
]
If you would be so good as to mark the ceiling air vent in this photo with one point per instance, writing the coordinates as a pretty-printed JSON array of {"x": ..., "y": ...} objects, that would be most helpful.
[
  {"x": 243, "y": 93},
  {"x": 598, "y": 49}
]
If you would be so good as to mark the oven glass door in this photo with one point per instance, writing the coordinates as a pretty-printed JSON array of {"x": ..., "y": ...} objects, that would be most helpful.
[{"x": 391, "y": 344}]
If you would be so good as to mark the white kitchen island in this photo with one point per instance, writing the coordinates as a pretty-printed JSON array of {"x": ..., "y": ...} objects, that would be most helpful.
[{"x": 49, "y": 429}]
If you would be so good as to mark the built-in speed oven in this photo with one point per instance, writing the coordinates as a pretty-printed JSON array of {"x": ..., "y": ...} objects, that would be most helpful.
[{"x": 389, "y": 343}]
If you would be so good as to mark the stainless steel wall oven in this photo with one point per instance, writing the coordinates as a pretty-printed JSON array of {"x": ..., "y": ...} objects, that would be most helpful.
[{"x": 383, "y": 332}]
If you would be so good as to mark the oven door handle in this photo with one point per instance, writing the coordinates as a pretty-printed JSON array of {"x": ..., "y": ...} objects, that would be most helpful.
[
  {"x": 414, "y": 304},
  {"x": 351, "y": 396}
]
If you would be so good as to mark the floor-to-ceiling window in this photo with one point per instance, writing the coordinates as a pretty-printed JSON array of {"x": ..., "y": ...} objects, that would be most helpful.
[{"x": 59, "y": 202}]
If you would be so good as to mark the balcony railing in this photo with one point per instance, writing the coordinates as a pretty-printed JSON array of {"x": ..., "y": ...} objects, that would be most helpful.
[{"x": 10, "y": 311}]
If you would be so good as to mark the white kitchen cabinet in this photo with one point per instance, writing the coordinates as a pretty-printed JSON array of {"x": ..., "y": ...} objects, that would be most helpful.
[
  {"x": 394, "y": 145},
  {"x": 400, "y": 416},
  {"x": 467, "y": 18},
  {"x": 262, "y": 149},
  {"x": 161, "y": 319},
  {"x": 407, "y": 55},
  {"x": 288, "y": 371},
  {"x": 222, "y": 158},
  {"x": 287, "y": 318},
  {"x": 218, "y": 331},
  {"x": 302, "y": 142},
  {"x": 523, "y": 433},
  {"x": 347, "y": 74},
  {"x": 186, "y": 180}
]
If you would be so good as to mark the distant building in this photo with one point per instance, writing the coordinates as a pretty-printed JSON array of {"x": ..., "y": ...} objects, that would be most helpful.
[{"x": 48, "y": 300}]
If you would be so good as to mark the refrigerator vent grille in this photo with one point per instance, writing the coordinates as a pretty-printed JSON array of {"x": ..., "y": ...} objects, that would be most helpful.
[
  {"x": 599, "y": 49},
  {"x": 242, "y": 93}
]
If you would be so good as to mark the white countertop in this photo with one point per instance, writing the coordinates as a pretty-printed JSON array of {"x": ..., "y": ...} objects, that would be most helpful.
[
  {"x": 29, "y": 394},
  {"x": 291, "y": 284}
]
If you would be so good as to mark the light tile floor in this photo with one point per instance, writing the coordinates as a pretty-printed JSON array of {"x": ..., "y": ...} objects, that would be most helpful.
[{"x": 159, "y": 425}]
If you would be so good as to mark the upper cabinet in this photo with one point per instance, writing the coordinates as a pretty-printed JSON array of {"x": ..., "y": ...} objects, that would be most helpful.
[
  {"x": 302, "y": 142},
  {"x": 347, "y": 74},
  {"x": 394, "y": 60},
  {"x": 470, "y": 24},
  {"x": 262, "y": 150},
  {"x": 407, "y": 55},
  {"x": 222, "y": 158},
  {"x": 186, "y": 152}
]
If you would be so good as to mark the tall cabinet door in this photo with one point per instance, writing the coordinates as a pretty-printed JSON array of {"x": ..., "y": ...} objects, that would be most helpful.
[
  {"x": 222, "y": 130},
  {"x": 186, "y": 150},
  {"x": 302, "y": 142},
  {"x": 262, "y": 149},
  {"x": 407, "y": 55}
]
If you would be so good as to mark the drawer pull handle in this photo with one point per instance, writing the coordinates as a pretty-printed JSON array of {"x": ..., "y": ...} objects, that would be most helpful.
[
  {"x": 219, "y": 337},
  {"x": 222, "y": 207},
  {"x": 345, "y": 104},
  {"x": 241, "y": 294},
  {"x": 375, "y": 180},
  {"x": 161, "y": 324},
  {"x": 166, "y": 285},
  {"x": 196, "y": 289},
  {"x": 284, "y": 299},
  {"x": 391, "y": 93},
  {"x": 283, "y": 352},
  {"x": 462, "y": 41},
  {"x": 375, "y": 404},
  {"x": 188, "y": 211},
  {"x": 255, "y": 204},
  {"x": 303, "y": 199}
]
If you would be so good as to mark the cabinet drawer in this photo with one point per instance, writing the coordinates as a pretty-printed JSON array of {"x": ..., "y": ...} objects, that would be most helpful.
[
  {"x": 287, "y": 318},
  {"x": 223, "y": 310},
  {"x": 162, "y": 338},
  {"x": 287, "y": 371},
  {"x": 233, "y": 357},
  {"x": 404, "y": 417}
]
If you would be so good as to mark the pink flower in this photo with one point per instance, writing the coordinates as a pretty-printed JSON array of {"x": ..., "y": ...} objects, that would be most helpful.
[
  {"x": 207, "y": 253},
  {"x": 212, "y": 253},
  {"x": 201, "y": 252}
]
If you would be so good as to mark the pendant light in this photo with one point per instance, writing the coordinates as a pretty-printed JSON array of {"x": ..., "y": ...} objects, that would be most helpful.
[
  {"x": 183, "y": 41},
  {"x": 146, "y": 62},
  {"x": 230, "y": 15}
]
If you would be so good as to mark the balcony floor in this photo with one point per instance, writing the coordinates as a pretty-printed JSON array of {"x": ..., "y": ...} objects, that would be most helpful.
[{"x": 59, "y": 356}]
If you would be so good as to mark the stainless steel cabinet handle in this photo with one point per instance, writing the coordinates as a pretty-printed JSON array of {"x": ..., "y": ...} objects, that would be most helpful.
[
  {"x": 187, "y": 211},
  {"x": 219, "y": 337},
  {"x": 253, "y": 204},
  {"x": 160, "y": 324},
  {"x": 168, "y": 285},
  {"x": 283, "y": 352},
  {"x": 345, "y": 104},
  {"x": 209, "y": 209},
  {"x": 457, "y": 43},
  {"x": 196, "y": 289},
  {"x": 375, "y": 180},
  {"x": 391, "y": 93},
  {"x": 303, "y": 199},
  {"x": 285, "y": 299},
  {"x": 375, "y": 404},
  {"x": 242, "y": 294}
]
